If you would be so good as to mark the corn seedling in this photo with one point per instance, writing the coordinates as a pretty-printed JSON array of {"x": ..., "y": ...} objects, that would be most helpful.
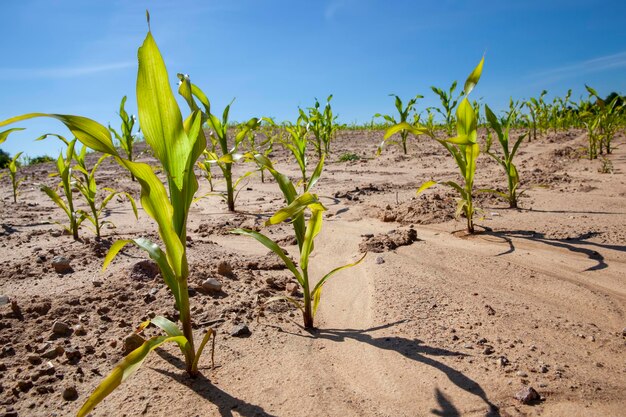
[
  {"x": 269, "y": 132},
  {"x": 126, "y": 138},
  {"x": 15, "y": 182},
  {"x": 305, "y": 236},
  {"x": 296, "y": 142},
  {"x": 67, "y": 183},
  {"x": 223, "y": 156},
  {"x": 89, "y": 189},
  {"x": 448, "y": 103},
  {"x": 403, "y": 116},
  {"x": 462, "y": 147},
  {"x": 323, "y": 126},
  {"x": 205, "y": 167},
  {"x": 12, "y": 165},
  {"x": 502, "y": 129},
  {"x": 177, "y": 144},
  {"x": 609, "y": 116}
]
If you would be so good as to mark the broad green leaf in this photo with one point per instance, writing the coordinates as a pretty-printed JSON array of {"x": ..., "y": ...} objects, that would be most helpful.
[
  {"x": 159, "y": 115},
  {"x": 87, "y": 131},
  {"x": 124, "y": 369},
  {"x": 405, "y": 126},
  {"x": 55, "y": 197},
  {"x": 466, "y": 120},
  {"x": 168, "y": 326},
  {"x": 313, "y": 228},
  {"x": 293, "y": 209}
]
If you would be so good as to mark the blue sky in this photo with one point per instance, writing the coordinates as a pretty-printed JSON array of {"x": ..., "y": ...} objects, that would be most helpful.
[{"x": 79, "y": 57}]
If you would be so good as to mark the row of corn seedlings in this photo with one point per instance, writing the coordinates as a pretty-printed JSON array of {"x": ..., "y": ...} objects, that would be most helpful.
[{"x": 178, "y": 144}]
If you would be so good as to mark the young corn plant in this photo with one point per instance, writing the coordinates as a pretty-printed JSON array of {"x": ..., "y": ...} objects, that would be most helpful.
[
  {"x": 12, "y": 172},
  {"x": 266, "y": 146},
  {"x": 403, "y": 117},
  {"x": 609, "y": 116},
  {"x": 126, "y": 138},
  {"x": 225, "y": 157},
  {"x": 64, "y": 172},
  {"x": 205, "y": 167},
  {"x": 305, "y": 236},
  {"x": 463, "y": 147},
  {"x": 502, "y": 130},
  {"x": 296, "y": 142},
  {"x": 448, "y": 104},
  {"x": 177, "y": 143},
  {"x": 89, "y": 189},
  {"x": 323, "y": 126}
]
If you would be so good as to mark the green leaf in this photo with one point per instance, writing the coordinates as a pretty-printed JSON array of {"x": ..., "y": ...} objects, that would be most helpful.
[
  {"x": 295, "y": 208},
  {"x": 473, "y": 78},
  {"x": 466, "y": 121},
  {"x": 316, "y": 174},
  {"x": 313, "y": 228},
  {"x": 405, "y": 126},
  {"x": 5, "y": 134},
  {"x": 317, "y": 291},
  {"x": 425, "y": 186},
  {"x": 273, "y": 246},
  {"x": 168, "y": 326},
  {"x": 124, "y": 369},
  {"x": 55, "y": 197}
]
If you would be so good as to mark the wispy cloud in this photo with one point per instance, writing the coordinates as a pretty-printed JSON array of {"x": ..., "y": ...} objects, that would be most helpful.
[
  {"x": 589, "y": 66},
  {"x": 62, "y": 72},
  {"x": 335, "y": 6}
]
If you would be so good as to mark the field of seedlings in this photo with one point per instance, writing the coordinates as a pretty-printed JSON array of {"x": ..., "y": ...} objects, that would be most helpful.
[{"x": 452, "y": 261}]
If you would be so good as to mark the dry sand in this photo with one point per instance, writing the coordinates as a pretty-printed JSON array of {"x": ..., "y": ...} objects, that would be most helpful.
[{"x": 444, "y": 325}]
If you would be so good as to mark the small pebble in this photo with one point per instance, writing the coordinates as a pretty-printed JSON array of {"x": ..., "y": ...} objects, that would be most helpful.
[
  {"x": 527, "y": 395},
  {"x": 240, "y": 330},
  {"x": 70, "y": 393},
  {"x": 60, "y": 328},
  {"x": 61, "y": 264},
  {"x": 212, "y": 284}
]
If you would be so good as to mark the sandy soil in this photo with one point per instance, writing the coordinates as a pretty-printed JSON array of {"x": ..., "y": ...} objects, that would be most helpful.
[{"x": 433, "y": 322}]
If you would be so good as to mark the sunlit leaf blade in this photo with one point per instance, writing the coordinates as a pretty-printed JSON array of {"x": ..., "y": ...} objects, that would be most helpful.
[
  {"x": 273, "y": 246},
  {"x": 295, "y": 208},
  {"x": 5, "y": 133},
  {"x": 404, "y": 126},
  {"x": 473, "y": 78},
  {"x": 313, "y": 228},
  {"x": 425, "y": 186},
  {"x": 89, "y": 132},
  {"x": 317, "y": 290},
  {"x": 115, "y": 248},
  {"x": 168, "y": 326},
  {"x": 205, "y": 339},
  {"x": 124, "y": 369},
  {"x": 159, "y": 115}
]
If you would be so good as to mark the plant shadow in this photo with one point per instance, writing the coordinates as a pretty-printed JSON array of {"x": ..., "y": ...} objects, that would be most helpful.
[
  {"x": 227, "y": 405},
  {"x": 578, "y": 244},
  {"x": 416, "y": 351}
]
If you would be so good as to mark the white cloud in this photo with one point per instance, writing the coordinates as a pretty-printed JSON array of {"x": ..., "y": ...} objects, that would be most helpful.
[
  {"x": 589, "y": 66},
  {"x": 62, "y": 72}
]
